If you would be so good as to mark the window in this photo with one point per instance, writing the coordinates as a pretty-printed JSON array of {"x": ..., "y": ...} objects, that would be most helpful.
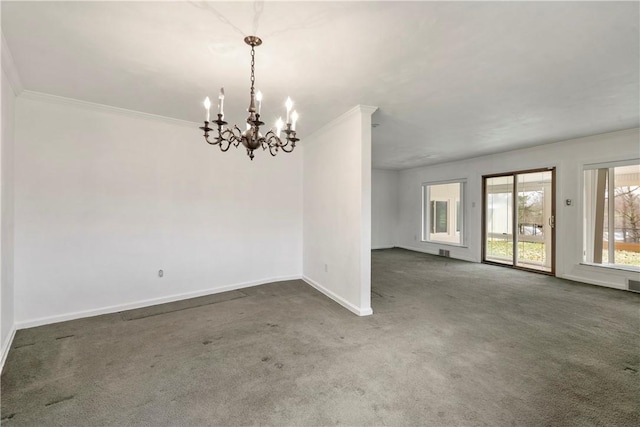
[
  {"x": 442, "y": 212},
  {"x": 612, "y": 214},
  {"x": 439, "y": 219}
]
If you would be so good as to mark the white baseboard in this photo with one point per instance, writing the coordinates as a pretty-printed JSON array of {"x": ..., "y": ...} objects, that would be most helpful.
[
  {"x": 6, "y": 346},
  {"x": 373, "y": 248},
  {"x": 434, "y": 252},
  {"x": 343, "y": 302},
  {"x": 592, "y": 282},
  {"x": 24, "y": 324},
  {"x": 145, "y": 303}
]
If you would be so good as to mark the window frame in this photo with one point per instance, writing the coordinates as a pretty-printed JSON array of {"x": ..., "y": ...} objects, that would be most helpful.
[
  {"x": 587, "y": 221},
  {"x": 451, "y": 207}
]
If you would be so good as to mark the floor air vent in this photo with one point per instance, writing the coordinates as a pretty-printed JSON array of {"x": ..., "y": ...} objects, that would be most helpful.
[
  {"x": 634, "y": 285},
  {"x": 443, "y": 252}
]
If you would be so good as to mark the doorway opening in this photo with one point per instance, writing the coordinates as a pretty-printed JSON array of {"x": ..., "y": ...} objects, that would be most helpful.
[{"x": 518, "y": 226}]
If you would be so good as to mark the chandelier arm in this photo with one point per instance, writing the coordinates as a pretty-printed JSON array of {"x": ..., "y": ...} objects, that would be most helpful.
[
  {"x": 284, "y": 143},
  {"x": 218, "y": 141},
  {"x": 230, "y": 136},
  {"x": 269, "y": 139},
  {"x": 288, "y": 149},
  {"x": 224, "y": 149},
  {"x": 272, "y": 139},
  {"x": 238, "y": 137},
  {"x": 291, "y": 139},
  {"x": 206, "y": 130},
  {"x": 224, "y": 143},
  {"x": 206, "y": 138},
  {"x": 264, "y": 143}
]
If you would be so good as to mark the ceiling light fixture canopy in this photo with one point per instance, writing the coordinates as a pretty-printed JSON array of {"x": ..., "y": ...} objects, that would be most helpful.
[{"x": 251, "y": 138}]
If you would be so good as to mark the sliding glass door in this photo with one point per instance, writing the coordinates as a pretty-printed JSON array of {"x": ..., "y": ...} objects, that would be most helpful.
[
  {"x": 519, "y": 220},
  {"x": 499, "y": 219}
]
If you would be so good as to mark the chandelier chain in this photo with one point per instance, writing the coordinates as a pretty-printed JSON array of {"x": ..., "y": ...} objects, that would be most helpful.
[{"x": 253, "y": 64}]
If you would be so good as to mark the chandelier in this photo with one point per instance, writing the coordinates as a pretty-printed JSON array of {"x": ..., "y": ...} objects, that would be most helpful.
[{"x": 251, "y": 138}]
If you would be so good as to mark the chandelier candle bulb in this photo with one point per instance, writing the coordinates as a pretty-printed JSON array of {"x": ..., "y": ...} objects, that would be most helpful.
[
  {"x": 221, "y": 102},
  {"x": 279, "y": 126},
  {"x": 294, "y": 119},
  {"x": 289, "y": 104},
  {"x": 207, "y": 106},
  {"x": 259, "y": 99}
]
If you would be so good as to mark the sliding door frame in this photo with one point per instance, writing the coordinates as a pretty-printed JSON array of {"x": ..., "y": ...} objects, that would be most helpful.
[{"x": 514, "y": 174}]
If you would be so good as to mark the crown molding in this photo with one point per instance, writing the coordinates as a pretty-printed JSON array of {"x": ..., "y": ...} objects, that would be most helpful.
[
  {"x": 362, "y": 109},
  {"x": 367, "y": 109},
  {"x": 9, "y": 67},
  {"x": 86, "y": 105}
]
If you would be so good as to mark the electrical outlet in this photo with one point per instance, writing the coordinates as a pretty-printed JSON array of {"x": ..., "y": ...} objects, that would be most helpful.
[
  {"x": 326, "y": 268},
  {"x": 160, "y": 273}
]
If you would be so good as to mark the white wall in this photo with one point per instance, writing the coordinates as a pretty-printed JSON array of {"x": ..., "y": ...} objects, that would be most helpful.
[
  {"x": 105, "y": 198},
  {"x": 384, "y": 208},
  {"x": 6, "y": 216},
  {"x": 568, "y": 157},
  {"x": 337, "y": 210}
]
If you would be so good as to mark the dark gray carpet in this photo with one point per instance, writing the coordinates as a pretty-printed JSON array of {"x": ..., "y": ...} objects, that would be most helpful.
[
  {"x": 154, "y": 310},
  {"x": 450, "y": 343}
]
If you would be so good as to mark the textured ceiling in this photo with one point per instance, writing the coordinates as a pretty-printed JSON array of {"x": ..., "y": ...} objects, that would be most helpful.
[{"x": 451, "y": 80}]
